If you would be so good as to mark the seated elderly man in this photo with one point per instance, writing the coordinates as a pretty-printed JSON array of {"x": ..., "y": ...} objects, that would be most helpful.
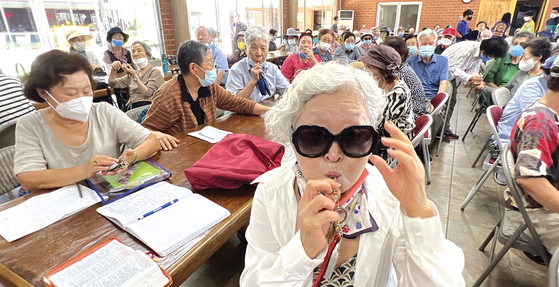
[
  {"x": 529, "y": 92},
  {"x": 534, "y": 143},
  {"x": 448, "y": 36},
  {"x": 464, "y": 60},
  {"x": 252, "y": 77},
  {"x": 190, "y": 99},
  {"x": 204, "y": 35},
  {"x": 391, "y": 232},
  {"x": 432, "y": 69}
]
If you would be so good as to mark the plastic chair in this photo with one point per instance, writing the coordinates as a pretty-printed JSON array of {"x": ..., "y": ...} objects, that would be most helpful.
[
  {"x": 554, "y": 270},
  {"x": 135, "y": 112},
  {"x": 8, "y": 181},
  {"x": 440, "y": 108},
  {"x": 8, "y": 133},
  {"x": 520, "y": 239},
  {"x": 501, "y": 96},
  {"x": 490, "y": 164}
]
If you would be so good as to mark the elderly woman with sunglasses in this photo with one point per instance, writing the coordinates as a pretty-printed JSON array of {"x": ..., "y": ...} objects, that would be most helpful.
[
  {"x": 253, "y": 77},
  {"x": 377, "y": 222}
]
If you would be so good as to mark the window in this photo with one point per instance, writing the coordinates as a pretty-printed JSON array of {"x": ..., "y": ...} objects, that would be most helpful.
[{"x": 396, "y": 15}]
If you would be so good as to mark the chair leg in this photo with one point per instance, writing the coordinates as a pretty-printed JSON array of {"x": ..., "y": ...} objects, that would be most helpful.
[
  {"x": 427, "y": 160},
  {"x": 500, "y": 256},
  {"x": 489, "y": 237},
  {"x": 494, "y": 244},
  {"x": 442, "y": 133},
  {"x": 481, "y": 152},
  {"x": 472, "y": 124},
  {"x": 479, "y": 183},
  {"x": 468, "y": 95}
]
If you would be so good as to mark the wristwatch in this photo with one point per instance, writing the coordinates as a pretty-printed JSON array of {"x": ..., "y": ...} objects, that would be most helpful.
[{"x": 135, "y": 79}]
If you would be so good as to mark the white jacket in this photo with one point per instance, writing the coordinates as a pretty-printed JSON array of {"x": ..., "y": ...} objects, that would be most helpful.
[{"x": 415, "y": 247}]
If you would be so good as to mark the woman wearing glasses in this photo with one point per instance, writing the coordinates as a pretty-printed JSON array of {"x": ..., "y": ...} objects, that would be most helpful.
[
  {"x": 385, "y": 230},
  {"x": 190, "y": 99},
  {"x": 116, "y": 51}
]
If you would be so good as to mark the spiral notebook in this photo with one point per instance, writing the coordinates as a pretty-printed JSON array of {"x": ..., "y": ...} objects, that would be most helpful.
[{"x": 164, "y": 216}]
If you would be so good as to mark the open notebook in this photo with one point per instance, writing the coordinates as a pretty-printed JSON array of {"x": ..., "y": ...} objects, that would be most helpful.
[
  {"x": 164, "y": 216},
  {"x": 110, "y": 263},
  {"x": 43, "y": 210}
]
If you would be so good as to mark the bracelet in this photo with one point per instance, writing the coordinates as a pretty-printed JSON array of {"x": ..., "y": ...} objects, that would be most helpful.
[
  {"x": 135, "y": 79},
  {"x": 135, "y": 156}
]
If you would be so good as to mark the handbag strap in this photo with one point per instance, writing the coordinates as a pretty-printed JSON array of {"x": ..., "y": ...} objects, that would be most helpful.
[{"x": 262, "y": 155}]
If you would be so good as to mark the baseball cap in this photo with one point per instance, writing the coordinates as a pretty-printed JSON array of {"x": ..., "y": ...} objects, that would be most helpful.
[{"x": 449, "y": 31}]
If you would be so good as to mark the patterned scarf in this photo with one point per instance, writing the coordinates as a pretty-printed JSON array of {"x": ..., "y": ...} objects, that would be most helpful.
[{"x": 356, "y": 212}]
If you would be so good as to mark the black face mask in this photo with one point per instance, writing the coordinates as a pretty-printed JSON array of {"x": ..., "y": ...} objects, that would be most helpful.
[{"x": 470, "y": 18}]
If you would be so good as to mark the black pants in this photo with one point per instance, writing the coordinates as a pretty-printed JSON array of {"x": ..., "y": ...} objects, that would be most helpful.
[{"x": 138, "y": 104}]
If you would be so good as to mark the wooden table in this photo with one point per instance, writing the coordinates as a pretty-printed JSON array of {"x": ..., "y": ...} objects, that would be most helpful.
[
  {"x": 25, "y": 261},
  {"x": 277, "y": 55}
]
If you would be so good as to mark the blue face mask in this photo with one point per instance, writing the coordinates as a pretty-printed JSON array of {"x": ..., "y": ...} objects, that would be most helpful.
[
  {"x": 375, "y": 38},
  {"x": 303, "y": 55},
  {"x": 412, "y": 50},
  {"x": 209, "y": 77},
  {"x": 485, "y": 58},
  {"x": 118, "y": 43},
  {"x": 349, "y": 47},
  {"x": 275, "y": 37},
  {"x": 251, "y": 63},
  {"x": 368, "y": 42},
  {"x": 401, "y": 34},
  {"x": 315, "y": 40},
  {"x": 516, "y": 51},
  {"x": 426, "y": 51}
]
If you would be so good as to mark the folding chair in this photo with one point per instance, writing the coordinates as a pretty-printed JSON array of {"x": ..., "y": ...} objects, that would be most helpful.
[
  {"x": 490, "y": 164},
  {"x": 8, "y": 181},
  {"x": 482, "y": 106},
  {"x": 500, "y": 97},
  {"x": 519, "y": 239},
  {"x": 8, "y": 133},
  {"x": 440, "y": 108},
  {"x": 554, "y": 270}
]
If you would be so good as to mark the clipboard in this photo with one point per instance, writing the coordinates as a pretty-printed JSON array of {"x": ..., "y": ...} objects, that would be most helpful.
[
  {"x": 86, "y": 253},
  {"x": 96, "y": 182}
]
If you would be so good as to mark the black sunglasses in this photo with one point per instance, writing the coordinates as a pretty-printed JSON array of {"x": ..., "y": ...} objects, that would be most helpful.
[{"x": 354, "y": 141}]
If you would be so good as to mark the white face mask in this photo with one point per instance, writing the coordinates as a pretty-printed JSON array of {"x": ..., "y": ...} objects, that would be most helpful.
[
  {"x": 79, "y": 47},
  {"x": 291, "y": 42},
  {"x": 76, "y": 109},
  {"x": 445, "y": 42},
  {"x": 325, "y": 46},
  {"x": 553, "y": 15},
  {"x": 526, "y": 65},
  {"x": 526, "y": 19},
  {"x": 141, "y": 63}
]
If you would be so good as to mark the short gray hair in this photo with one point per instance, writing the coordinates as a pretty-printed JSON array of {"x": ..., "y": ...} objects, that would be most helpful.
[
  {"x": 524, "y": 34},
  {"x": 146, "y": 47},
  {"x": 256, "y": 32},
  {"x": 427, "y": 32},
  {"x": 326, "y": 78}
]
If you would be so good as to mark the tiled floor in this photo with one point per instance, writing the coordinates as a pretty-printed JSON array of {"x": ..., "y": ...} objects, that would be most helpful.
[{"x": 453, "y": 178}]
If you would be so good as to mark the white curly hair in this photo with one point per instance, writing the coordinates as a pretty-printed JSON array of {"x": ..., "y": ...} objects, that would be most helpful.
[
  {"x": 327, "y": 78},
  {"x": 256, "y": 32}
]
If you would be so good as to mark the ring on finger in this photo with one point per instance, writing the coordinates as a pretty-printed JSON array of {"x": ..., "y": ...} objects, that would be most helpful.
[{"x": 95, "y": 162}]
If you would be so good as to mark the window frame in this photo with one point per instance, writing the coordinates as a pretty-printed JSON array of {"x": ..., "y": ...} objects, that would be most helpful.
[{"x": 398, "y": 12}]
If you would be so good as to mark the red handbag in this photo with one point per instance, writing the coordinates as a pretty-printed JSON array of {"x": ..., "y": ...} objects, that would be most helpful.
[{"x": 236, "y": 160}]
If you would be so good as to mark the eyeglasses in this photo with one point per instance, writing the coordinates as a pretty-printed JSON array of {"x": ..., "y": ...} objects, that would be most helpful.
[
  {"x": 354, "y": 141},
  {"x": 118, "y": 38}
]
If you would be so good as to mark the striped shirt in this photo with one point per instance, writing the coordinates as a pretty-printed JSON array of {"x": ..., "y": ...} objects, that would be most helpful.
[
  {"x": 13, "y": 104},
  {"x": 171, "y": 113}
]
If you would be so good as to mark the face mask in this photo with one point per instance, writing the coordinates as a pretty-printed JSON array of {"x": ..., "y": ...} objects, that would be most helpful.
[
  {"x": 485, "y": 38},
  {"x": 426, "y": 51},
  {"x": 469, "y": 17},
  {"x": 526, "y": 65},
  {"x": 401, "y": 34},
  {"x": 349, "y": 47},
  {"x": 303, "y": 55},
  {"x": 79, "y": 47},
  {"x": 485, "y": 58},
  {"x": 315, "y": 40},
  {"x": 553, "y": 15},
  {"x": 209, "y": 77},
  {"x": 75, "y": 109},
  {"x": 241, "y": 45},
  {"x": 445, "y": 42},
  {"x": 368, "y": 42},
  {"x": 526, "y": 19},
  {"x": 516, "y": 51},
  {"x": 291, "y": 42},
  {"x": 251, "y": 63},
  {"x": 325, "y": 46},
  {"x": 412, "y": 50},
  {"x": 141, "y": 63},
  {"x": 275, "y": 37},
  {"x": 375, "y": 38},
  {"x": 117, "y": 43}
]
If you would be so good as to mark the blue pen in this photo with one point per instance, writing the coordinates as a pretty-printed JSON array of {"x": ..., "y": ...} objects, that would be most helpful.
[{"x": 158, "y": 209}]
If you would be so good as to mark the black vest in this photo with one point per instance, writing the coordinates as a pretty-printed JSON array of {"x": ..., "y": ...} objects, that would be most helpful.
[{"x": 114, "y": 58}]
